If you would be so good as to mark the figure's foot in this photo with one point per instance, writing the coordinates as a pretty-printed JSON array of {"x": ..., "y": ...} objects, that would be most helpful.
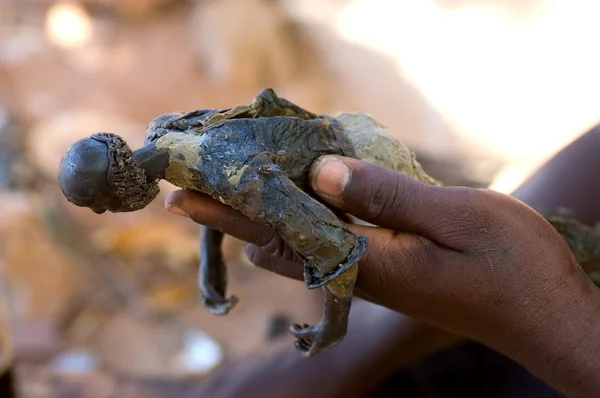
[
  {"x": 312, "y": 340},
  {"x": 220, "y": 306}
]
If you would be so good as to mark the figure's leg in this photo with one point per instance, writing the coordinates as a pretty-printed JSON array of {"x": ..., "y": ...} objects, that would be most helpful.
[
  {"x": 268, "y": 104},
  {"x": 328, "y": 248},
  {"x": 311, "y": 340},
  {"x": 374, "y": 144},
  {"x": 213, "y": 273}
]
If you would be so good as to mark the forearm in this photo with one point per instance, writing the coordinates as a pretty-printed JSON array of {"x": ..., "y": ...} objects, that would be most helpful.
[
  {"x": 568, "y": 180},
  {"x": 569, "y": 360},
  {"x": 559, "y": 341}
]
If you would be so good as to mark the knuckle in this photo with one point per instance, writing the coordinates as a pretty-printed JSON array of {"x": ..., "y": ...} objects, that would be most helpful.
[
  {"x": 477, "y": 213},
  {"x": 420, "y": 265},
  {"x": 389, "y": 198},
  {"x": 403, "y": 266},
  {"x": 254, "y": 255},
  {"x": 375, "y": 281},
  {"x": 388, "y": 270},
  {"x": 263, "y": 259},
  {"x": 275, "y": 246},
  {"x": 379, "y": 284},
  {"x": 487, "y": 217},
  {"x": 376, "y": 203}
]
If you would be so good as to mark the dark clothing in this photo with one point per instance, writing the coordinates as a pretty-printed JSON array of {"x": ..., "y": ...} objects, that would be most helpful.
[{"x": 469, "y": 370}]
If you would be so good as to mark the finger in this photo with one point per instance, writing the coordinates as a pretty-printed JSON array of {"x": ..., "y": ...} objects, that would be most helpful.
[
  {"x": 204, "y": 210},
  {"x": 394, "y": 267},
  {"x": 387, "y": 198},
  {"x": 289, "y": 267},
  {"x": 398, "y": 267}
]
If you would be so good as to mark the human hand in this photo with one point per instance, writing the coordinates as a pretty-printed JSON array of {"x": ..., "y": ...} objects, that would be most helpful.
[{"x": 474, "y": 262}]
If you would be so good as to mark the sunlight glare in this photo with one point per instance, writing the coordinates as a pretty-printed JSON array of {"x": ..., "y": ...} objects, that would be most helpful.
[
  {"x": 68, "y": 25},
  {"x": 521, "y": 87}
]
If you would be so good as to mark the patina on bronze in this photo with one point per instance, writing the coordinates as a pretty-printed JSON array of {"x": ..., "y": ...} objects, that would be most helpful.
[{"x": 256, "y": 159}]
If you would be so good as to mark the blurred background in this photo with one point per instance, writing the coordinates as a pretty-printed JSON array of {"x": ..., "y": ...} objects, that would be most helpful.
[{"x": 483, "y": 91}]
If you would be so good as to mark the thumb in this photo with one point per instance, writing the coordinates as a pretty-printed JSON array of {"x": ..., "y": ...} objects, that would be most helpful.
[{"x": 387, "y": 198}]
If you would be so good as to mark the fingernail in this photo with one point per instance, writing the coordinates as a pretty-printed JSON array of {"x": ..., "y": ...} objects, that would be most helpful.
[
  {"x": 330, "y": 176},
  {"x": 173, "y": 209}
]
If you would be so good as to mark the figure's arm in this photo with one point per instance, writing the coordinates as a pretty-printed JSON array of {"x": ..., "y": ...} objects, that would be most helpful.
[{"x": 213, "y": 273}]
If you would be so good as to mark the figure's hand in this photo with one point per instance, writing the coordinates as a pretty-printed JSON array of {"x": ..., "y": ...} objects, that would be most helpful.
[{"x": 474, "y": 262}]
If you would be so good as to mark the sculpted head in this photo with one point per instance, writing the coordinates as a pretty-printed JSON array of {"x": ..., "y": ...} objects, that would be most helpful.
[{"x": 101, "y": 173}]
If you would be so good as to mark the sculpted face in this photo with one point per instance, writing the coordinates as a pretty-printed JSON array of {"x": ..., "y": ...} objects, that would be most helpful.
[{"x": 83, "y": 176}]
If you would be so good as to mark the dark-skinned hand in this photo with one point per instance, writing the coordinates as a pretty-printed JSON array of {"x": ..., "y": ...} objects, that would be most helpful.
[{"x": 474, "y": 262}]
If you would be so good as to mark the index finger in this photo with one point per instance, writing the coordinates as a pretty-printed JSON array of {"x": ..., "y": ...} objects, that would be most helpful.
[{"x": 203, "y": 209}]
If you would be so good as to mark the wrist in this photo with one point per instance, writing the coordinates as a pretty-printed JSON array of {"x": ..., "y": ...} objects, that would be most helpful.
[{"x": 560, "y": 343}]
